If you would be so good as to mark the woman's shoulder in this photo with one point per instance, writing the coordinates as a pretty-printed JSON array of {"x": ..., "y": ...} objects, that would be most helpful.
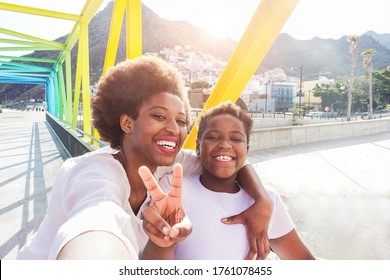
[
  {"x": 104, "y": 153},
  {"x": 97, "y": 168},
  {"x": 98, "y": 161}
]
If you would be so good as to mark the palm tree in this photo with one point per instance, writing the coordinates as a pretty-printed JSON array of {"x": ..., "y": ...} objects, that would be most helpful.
[
  {"x": 367, "y": 62},
  {"x": 352, "y": 39}
]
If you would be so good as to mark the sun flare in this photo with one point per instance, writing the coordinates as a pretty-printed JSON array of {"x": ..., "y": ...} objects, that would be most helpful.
[{"x": 217, "y": 27}]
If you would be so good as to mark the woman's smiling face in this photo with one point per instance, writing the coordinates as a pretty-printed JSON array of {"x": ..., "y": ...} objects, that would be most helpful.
[{"x": 159, "y": 131}]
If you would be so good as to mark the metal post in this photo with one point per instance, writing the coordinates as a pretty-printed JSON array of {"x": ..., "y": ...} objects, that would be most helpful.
[
  {"x": 266, "y": 97},
  {"x": 300, "y": 87}
]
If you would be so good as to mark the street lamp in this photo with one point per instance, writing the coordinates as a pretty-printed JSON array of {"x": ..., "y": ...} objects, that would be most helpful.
[
  {"x": 300, "y": 87},
  {"x": 300, "y": 83},
  {"x": 266, "y": 97}
]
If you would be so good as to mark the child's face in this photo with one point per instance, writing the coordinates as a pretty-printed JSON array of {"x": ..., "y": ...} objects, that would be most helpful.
[{"x": 223, "y": 146}]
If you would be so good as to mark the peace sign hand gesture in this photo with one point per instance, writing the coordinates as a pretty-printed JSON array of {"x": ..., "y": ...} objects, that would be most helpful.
[{"x": 165, "y": 221}]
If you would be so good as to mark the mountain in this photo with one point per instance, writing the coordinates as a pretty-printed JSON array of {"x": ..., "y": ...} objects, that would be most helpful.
[
  {"x": 318, "y": 56},
  {"x": 383, "y": 39},
  {"x": 327, "y": 57}
]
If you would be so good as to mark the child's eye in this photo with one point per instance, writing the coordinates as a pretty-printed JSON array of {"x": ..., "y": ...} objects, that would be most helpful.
[{"x": 237, "y": 140}]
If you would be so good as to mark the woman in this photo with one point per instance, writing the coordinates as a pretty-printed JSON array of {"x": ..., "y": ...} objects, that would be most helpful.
[{"x": 140, "y": 109}]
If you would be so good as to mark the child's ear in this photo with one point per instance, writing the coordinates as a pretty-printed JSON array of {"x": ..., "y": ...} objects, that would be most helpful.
[{"x": 126, "y": 123}]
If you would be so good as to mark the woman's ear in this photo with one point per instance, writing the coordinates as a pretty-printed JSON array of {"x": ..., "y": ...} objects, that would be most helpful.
[{"x": 126, "y": 123}]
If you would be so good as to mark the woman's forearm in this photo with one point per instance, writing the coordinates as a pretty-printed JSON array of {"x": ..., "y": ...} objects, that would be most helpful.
[{"x": 251, "y": 183}]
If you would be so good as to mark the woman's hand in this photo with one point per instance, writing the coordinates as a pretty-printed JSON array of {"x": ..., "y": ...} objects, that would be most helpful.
[
  {"x": 256, "y": 219},
  {"x": 165, "y": 221}
]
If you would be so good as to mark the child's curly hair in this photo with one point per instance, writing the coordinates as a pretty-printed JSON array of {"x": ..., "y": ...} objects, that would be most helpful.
[{"x": 226, "y": 107}]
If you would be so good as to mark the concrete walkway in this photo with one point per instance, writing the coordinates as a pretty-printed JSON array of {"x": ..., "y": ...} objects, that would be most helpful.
[
  {"x": 30, "y": 156},
  {"x": 337, "y": 193}
]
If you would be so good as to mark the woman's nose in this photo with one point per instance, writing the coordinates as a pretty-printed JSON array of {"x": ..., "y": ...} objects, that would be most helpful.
[{"x": 172, "y": 126}]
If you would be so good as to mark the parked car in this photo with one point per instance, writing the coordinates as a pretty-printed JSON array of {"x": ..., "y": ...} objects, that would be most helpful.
[{"x": 314, "y": 114}]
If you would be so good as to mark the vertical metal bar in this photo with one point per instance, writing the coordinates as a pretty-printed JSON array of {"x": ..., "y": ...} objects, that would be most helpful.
[
  {"x": 76, "y": 100},
  {"x": 114, "y": 34},
  {"x": 85, "y": 83},
  {"x": 133, "y": 28}
]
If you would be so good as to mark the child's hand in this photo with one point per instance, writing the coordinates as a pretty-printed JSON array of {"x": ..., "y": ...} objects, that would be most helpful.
[
  {"x": 256, "y": 219},
  {"x": 165, "y": 221}
]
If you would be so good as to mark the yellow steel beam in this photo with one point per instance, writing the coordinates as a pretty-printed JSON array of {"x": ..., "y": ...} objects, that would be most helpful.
[
  {"x": 264, "y": 27},
  {"x": 76, "y": 98},
  {"x": 68, "y": 85},
  {"x": 87, "y": 13},
  {"x": 38, "y": 12},
  {"x": 133, "y": 28},
  {"x": 85, "y": 82},
  {"x": 90, "y": 8},
  {"x": 114, "y": 34},
  {"x": 73, "y": 38},
  {"x": 113, "y": 39}
]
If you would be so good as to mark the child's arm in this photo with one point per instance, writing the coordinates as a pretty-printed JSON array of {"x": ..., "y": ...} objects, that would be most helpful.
[
  {"x": 154, "y": 252},
  {"x": 291, "y": 247},
  {"x": 256, "y": 217}
]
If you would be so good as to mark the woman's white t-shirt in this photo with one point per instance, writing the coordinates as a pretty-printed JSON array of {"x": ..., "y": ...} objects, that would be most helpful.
[{"x": 90, "y": 193}]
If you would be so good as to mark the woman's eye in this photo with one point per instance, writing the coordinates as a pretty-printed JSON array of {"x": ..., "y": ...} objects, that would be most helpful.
[
  {"x": 159, "y": 117},
  {"x": 182, "y": 122}
]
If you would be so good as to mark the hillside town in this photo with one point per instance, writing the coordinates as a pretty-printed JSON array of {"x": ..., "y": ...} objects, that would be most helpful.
[{"x": 269, "y": 92}]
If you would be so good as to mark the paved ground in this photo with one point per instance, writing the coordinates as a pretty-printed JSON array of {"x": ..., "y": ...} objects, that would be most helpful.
[
  {"x": 338, "y": 193},
  {"x": 29, "y": 158}
]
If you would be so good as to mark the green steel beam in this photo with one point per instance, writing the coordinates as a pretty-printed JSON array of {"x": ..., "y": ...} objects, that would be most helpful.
[
  {"x": 29, "y": 37},
  {"x": 26, "y": 58}
]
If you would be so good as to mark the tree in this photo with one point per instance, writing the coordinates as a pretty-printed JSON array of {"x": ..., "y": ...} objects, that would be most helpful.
[
  {"x": 331, "y": 96},
  {"x": 359, "y": 96},
  {"x": 352, "y": 39},
  {"x": 381, "y": 80},
  {"x": 200, "y": 84},
  {"x": 367, "y": 62}
]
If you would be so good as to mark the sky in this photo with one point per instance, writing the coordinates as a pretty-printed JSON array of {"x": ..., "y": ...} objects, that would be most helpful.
[
  {"x": 311, "y": 18},
  {"x": 223, "y": 18}
]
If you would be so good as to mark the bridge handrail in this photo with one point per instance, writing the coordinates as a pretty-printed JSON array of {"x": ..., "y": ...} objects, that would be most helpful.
[{"x": 73, "y": 138}]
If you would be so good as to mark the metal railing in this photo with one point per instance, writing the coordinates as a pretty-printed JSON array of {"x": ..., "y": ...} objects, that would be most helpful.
[{"x": 76, "y": 141}]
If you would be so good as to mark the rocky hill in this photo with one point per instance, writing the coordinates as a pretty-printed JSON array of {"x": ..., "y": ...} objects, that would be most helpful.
[{"x": 318, "y": 56}]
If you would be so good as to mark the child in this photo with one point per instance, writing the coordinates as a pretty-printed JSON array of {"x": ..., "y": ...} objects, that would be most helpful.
[{"x": 222, "y": 145}]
